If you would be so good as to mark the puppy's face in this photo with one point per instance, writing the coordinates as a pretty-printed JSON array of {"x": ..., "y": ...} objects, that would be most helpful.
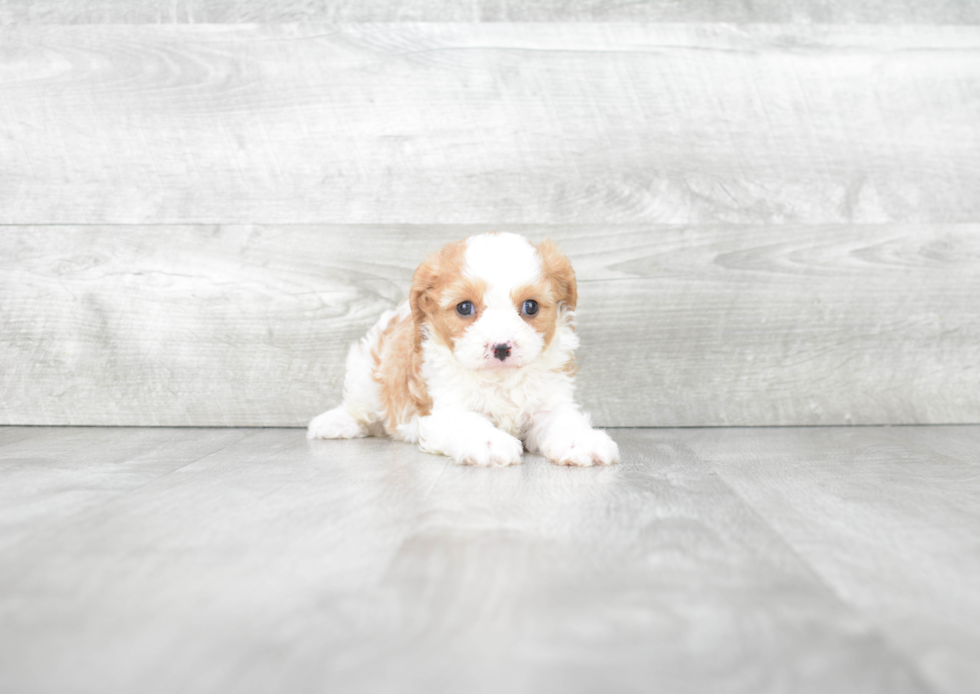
[{"x": 493, "y": 299}]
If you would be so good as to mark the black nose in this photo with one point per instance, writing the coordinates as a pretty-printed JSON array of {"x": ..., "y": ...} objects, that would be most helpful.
[{"x": 501, "y": 351}]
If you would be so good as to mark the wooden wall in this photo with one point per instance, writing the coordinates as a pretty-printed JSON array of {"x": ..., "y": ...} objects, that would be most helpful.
[
  {"x": 279, "y": 11},
  {"x": 773, "y": 207}
]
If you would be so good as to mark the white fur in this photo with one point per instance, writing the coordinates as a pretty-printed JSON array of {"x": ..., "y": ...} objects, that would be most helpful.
[
  {"x": 337, "y": 423},
  {"x": 361, "y": 412},
  {"x": 484, "y": 410},
  {"x": 509, "y": 398},
  {"x": 507, "y": 260},
  {"x": 565, "y": 435},
  {"x": 498, "y": 325},
  {"x": 467, "y": 438}
]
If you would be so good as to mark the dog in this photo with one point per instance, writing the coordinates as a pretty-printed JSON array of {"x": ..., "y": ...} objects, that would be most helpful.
[{"x": 478, "y": 363}]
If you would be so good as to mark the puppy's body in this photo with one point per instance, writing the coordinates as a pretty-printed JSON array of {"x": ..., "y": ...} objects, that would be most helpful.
[{"x": 478, "y": 363}]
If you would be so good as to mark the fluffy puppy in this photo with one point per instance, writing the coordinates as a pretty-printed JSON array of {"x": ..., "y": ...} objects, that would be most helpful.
[{"x": 478, "y": 363}]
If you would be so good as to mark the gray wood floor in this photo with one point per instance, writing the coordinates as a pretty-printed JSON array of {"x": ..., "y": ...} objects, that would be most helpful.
[{"x": 749, "y": 560}]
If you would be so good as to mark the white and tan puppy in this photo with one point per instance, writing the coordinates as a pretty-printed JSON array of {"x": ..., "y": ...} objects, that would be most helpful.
[{"x": 478, "y": 364}]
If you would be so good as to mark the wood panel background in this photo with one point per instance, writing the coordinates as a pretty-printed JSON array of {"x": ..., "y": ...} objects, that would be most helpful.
[
  {"x": 239, "y": 11},
  {"x": 489, "y": 124},
  {"x": 681, "y": 326},
  {"x": 773, "y": 223}
]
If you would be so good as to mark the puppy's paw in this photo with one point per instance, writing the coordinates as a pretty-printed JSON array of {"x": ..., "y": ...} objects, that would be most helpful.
[
  {"x": 490, "y": 447},
  {"x": 335, "y": 424},
  {"x": 582, "y": 449}
]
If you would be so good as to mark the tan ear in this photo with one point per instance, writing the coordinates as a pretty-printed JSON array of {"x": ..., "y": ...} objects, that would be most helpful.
[
  {"x": 428, "y": 282},
  {"x": 420, "y": 297},
  {"x": 557, "y": 267}
]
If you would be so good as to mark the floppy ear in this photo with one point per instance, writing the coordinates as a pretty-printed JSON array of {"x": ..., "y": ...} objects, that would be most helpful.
[
  {"x": 421, "y": 297},
  {"x": 558, "y": 269}
]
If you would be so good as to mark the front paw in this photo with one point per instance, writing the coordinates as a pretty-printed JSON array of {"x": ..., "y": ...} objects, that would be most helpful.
[
  {"x": 337, "y": 423},
  {"x": 490, "y": 447},
  {"x": 582, "y": 449}
]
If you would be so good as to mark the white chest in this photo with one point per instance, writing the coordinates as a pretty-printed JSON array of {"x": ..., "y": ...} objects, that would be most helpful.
[{"x": 509, "y": 400}]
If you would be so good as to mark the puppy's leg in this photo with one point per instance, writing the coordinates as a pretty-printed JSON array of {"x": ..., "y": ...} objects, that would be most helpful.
[
  {"x": 565, "y": 436},
  {"x": 353, "y": 419},
  {"x": 467, "y": 438}
]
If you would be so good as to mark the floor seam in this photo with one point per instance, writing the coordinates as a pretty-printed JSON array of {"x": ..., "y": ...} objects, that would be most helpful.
[
  {"x": 191, "y": 462},
  {"x": 875, "y": 627}
]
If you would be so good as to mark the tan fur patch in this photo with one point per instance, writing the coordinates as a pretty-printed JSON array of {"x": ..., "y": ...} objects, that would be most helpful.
[
  {"x": 399, "y": 374},
  {"x": 447, "y": 325},
  {"x": 560, "y": 288},
  {"x": 557, "y": 268},
  {"x": 398, "y": 357},
  {"x": 570, "y": 367},
  {"x": 545, "y": 321},
  {"x": 438, "y": 286}
]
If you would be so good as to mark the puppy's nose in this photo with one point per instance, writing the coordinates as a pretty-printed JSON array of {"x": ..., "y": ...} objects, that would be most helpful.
[{"x": 501, "y": 350}]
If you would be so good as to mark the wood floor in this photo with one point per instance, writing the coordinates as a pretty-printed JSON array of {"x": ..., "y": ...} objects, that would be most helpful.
[{"x": 252, "y": 560}]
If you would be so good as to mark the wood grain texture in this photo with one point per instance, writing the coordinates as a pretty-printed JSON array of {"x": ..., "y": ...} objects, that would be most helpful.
[
  {"x": 489, "y": 124},
  {"x": 282, "y": 564},
  {"x": 889, "y": 518},
  {"x": 52, "y": 475},
  {"x": 226, "y": 11},
  {"x": 249, "y": 325}
]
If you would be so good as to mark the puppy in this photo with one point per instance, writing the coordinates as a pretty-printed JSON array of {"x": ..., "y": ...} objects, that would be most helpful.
[{"x": 478, "y": 363}]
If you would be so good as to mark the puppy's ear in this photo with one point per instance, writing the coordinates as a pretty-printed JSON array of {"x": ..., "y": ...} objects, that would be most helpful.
[
  {"x": 429, "y": 283},
  {"x": 421, "y": 297},
  {"x": 558, "y": 269}
]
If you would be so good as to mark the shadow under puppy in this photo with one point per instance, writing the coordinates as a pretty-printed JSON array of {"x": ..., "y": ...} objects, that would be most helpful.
[{"x": 478, "y": 363}]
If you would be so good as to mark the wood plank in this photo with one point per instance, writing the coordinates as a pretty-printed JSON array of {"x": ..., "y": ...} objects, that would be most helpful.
[
  {"x": 681, "y": 326},
  {"x": 59, "y": 474},
  {"x": 11, "y": 434},
  {"x": 489, "y": 124},
  {"x": 279, "y": 563},
  {"x": 889, "y": 522},
  {"x": 226, "y": 11}
]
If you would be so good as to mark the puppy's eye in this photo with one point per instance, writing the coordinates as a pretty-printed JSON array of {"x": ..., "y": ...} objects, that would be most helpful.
[
  {"x": 465, "y": 308},
  {"x": 530, "y": 307}
]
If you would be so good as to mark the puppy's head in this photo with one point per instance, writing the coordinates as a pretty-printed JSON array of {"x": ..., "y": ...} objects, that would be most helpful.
[{"x": 495, "y": 299}]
